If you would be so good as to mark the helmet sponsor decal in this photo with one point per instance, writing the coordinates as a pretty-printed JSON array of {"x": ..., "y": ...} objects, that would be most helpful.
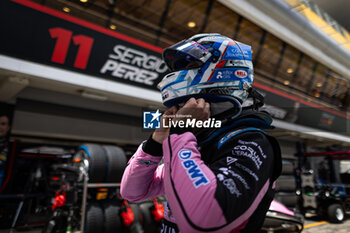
[
  {"x": 241, "y": 53},
  {"x": 225, "y": 75},
  {"x": 165, "y": 95},
  {"x": 238, "y": 63},
  {"x": 211, "y": 39},
  {"x": 241, "y": 73}
]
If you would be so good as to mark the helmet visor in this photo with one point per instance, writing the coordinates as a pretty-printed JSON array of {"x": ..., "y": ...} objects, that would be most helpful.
[{"x": 185, "y": 55}]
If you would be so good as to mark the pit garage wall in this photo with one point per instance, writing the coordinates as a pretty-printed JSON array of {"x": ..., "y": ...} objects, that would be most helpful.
[
  {"x": 43, "y": 113},
  {"x": 60, "y": 41},
  {"x": 296, "y": 110}
]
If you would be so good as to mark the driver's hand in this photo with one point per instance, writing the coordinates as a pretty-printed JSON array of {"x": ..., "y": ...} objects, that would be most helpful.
[
  {"x": 194, "y": 109},
  {"x": 159, "y": 135}
]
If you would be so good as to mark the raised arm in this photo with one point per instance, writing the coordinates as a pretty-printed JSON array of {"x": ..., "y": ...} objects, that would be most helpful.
[{"x": 142, "y": 178}]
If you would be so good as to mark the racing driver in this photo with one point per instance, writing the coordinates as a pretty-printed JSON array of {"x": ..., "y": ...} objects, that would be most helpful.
[{"x": 215, "y": 179}]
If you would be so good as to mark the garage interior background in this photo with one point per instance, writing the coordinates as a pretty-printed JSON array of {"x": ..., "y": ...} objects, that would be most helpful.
[{"x": 84, "y": 71}]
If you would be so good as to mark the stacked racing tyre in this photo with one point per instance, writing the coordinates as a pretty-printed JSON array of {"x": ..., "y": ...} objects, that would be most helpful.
[
  {"x": 112, "y": 220},
  {"x": 289, "y": 199},
  {"x": 103, "y": 163},
  {"x": 136, "y": 226},
  {"x": 116, "y": 163},
  {"x": 286, "y": 185},
  {"x": 94, "y": 220},
  {"x": 150, "y": 222},
  {"x": 147, "y": 220},
  {"x": 93, "y": 159}
]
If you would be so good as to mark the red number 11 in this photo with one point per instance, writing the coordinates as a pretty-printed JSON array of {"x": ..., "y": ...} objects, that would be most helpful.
[{"x": 64, "y": 37}]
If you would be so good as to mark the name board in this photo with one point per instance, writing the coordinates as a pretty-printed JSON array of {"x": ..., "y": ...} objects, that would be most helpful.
[{"x": 36, "y": 33}]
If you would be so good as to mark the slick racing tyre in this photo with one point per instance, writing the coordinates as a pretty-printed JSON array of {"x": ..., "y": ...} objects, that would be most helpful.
[
  {"x": 116, "y": 163},
  {"x": 287, "y": 167},
  {"x": 92, "y": 157},
  {"x": 136, "y": 226},
  {"x": 148, "y": 224},
  {"x": 113, "y": 221},
  {"x": 94, "y": 218},
  {"x": 286, "y": 184},
  {"x": 287, "y": 199},
  {"x": 335, "y": 213}
]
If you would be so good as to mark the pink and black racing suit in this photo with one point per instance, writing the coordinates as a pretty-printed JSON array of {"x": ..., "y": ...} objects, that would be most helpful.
[{"x": 225, "y": 185}]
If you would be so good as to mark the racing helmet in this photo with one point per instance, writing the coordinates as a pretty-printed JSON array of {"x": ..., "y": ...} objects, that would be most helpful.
[{"x": 209, "y": 66}]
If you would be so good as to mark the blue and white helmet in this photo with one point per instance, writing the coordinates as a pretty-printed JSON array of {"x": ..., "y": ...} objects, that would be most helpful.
[{"x": 209, "y": 66}]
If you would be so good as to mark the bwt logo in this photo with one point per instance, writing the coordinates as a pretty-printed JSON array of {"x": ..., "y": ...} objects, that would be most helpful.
[
  {"x": 151, "y": 120},
  {"x": 185, "y": 154},
  {"x": 194, "y": 172}
]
